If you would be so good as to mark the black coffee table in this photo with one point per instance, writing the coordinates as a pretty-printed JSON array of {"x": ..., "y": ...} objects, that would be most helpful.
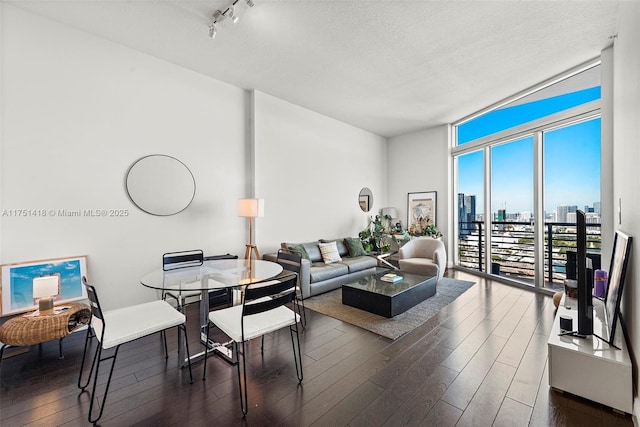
[{"x": 388, "y": 299}]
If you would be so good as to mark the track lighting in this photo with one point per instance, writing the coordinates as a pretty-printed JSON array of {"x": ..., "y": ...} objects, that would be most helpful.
[
  {"x": 231, "y": 14},
  {"x": 221, "y": 15}
]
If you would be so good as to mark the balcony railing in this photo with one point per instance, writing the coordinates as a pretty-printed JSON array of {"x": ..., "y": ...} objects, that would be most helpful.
[{"x": 513, "y": 253}]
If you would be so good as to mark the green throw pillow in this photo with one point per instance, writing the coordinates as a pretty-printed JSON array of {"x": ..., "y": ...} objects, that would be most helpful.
[
  {"x": 355, "y": 246},
  {"x": 298, "y": 249}
]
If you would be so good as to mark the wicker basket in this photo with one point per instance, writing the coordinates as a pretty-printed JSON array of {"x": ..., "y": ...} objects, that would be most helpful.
[{"x": 24, "y": 331}]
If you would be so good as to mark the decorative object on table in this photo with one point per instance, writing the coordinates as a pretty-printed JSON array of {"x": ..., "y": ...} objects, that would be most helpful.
[
  {"x": 17, "y": 282},
  {"x": 365, "y": 199},
  {"x": 599, "y": 283},
  {"x": 44, "y": 288},
  {"x": 251, "y": 208},
  {"x": 391, "y": 277},
  {"x": 421, "y": 212},
  {"x": 113, "y": 328},
  {"x": 160, "y": 185}
]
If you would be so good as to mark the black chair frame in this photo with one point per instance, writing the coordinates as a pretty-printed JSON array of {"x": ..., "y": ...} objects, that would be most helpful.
[
  {"x": 259, "y": 298},
  {"x": 291, "y": 262},
  {"x": 96, "y": 311}
]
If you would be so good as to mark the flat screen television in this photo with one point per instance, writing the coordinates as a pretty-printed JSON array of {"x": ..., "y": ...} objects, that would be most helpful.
[{"x": 584, "y": 274}]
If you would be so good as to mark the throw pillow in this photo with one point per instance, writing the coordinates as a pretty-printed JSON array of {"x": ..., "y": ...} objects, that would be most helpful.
[
  {"x": 329, "y": 252},
  {"x": 355, "y": 247},
  {"x": 299, "y": 250}
]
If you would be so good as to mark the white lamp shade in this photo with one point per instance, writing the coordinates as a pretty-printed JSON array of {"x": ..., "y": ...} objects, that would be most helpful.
[
  {"x": 392, "y": 212},
  {"x": 251, "y": 208},
  {"x": 45, "y": 286}
]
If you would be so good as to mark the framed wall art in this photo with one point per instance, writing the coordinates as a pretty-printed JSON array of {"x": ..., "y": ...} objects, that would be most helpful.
[
  {"x": 17, "y": 282},
  {"x": 421, "y": 209}
]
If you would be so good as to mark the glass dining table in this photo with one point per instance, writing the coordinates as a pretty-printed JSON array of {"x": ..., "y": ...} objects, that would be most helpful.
[{"x": 211, "y": 275}]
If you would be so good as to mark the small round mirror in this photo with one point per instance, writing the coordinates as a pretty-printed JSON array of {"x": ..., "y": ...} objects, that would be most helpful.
[
  {"x": 365, "y": 199},
  {"x": 160, "y": 185}
]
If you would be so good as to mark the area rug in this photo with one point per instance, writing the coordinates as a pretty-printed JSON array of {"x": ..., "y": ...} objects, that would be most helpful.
[{"x": 330, "y": 304}]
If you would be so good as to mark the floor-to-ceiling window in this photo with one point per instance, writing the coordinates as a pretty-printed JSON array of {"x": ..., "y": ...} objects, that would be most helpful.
[{"x": 535, "y": 160}]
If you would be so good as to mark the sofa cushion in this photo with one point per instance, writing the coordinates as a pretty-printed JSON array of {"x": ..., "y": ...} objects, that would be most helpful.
[
  {"x": 342, "y": 248},
  {"x": 354, "y": 246},
  {"x": 298, "y": 250},
  {"x": 329, "y": 252},
  {"x": 311, "y": 247},
  {"x": 359, "y": 263},
  {"x": 321, "y": 271}
]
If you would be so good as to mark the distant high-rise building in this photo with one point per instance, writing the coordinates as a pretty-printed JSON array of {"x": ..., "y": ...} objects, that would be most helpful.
[
  {"x": 562, "y": 212},
  {"x": 466, "y": 213},
  {"x": 597, "y": 208},
  {"x": 502, "y": 216}
]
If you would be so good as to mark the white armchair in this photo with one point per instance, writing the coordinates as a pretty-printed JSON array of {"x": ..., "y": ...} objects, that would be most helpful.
[{"x": 423, "y": 255}]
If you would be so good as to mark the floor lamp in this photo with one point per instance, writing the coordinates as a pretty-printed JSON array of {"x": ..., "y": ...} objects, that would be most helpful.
[{"x": 251, "y": 208}]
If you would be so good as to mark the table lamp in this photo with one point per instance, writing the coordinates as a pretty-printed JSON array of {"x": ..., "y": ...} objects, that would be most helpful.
[
  {"x": 45, "y": 288},
  {"x": 251, "y": 208}
]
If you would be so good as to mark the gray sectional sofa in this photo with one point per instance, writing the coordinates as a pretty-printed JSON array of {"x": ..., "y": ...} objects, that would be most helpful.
[{"x": 316, "y": 277}]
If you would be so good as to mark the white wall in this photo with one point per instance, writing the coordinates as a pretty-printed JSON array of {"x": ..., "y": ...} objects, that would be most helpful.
[
  {"x": 310, "y": 169},
  {"x": 419, "y": 162},
  {"x": 626, "y": 157},
  {"x": 77, "y": 112}
]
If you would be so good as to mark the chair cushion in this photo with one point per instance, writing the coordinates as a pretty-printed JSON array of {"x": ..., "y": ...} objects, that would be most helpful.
[
  {"x": 354, "y": 245},
  {"x": 136, "y": 321},
  {"x": 421, "y": 266},
  {"x": 229, "y": 321},
  {"x": 329, "y": 252}
]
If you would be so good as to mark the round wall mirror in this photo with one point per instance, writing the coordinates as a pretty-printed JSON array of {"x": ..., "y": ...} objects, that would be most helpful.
[
  {"x": 365, "y": 199},
  {"x": 160, "y": 185}
]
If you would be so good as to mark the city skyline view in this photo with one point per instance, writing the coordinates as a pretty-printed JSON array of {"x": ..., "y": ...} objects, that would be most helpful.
[{"x": 571, "y": 159}]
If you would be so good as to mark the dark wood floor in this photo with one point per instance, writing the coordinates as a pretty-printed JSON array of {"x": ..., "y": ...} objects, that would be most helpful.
[{"x": 481, "y": 361}]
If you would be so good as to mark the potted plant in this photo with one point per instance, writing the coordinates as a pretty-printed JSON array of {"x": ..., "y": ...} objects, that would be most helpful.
[{"x": 374, "y": 233}]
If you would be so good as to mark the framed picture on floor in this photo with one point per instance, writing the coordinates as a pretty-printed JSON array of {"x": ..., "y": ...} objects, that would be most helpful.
[
  {"x": 421, "y": 209},
  {"x": 17, "y": 282}
]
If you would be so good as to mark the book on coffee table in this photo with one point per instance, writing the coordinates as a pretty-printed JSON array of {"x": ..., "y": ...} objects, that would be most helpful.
[{"x": 391, "y": 277}]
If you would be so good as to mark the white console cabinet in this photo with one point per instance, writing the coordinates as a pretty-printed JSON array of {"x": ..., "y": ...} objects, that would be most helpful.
[{"x": 589, "y": 367}]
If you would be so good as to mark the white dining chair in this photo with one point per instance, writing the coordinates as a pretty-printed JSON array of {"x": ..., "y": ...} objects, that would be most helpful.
[
  {"x": 115, "y": 327},
  {"x": 263, "y": 311}
]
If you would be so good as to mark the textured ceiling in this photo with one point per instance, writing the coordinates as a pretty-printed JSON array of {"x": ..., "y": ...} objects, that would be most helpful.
[{"x": 390, "y": 67}]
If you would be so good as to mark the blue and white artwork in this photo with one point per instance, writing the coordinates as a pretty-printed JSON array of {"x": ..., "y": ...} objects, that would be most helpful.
[{"x": 17, "y": 282}]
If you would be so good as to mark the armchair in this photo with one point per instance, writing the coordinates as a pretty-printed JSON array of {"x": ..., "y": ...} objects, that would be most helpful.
[{"x": 423, "y": 255}]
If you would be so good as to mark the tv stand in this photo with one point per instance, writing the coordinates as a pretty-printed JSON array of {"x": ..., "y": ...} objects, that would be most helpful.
[{"x": 590, "y": 367}]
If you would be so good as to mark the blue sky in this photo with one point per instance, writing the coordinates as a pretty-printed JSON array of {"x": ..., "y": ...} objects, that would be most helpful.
[{"x": 571, "y": 158}]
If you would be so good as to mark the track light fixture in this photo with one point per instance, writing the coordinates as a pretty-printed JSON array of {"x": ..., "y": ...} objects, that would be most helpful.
[{"x": 221, "y": 15}]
